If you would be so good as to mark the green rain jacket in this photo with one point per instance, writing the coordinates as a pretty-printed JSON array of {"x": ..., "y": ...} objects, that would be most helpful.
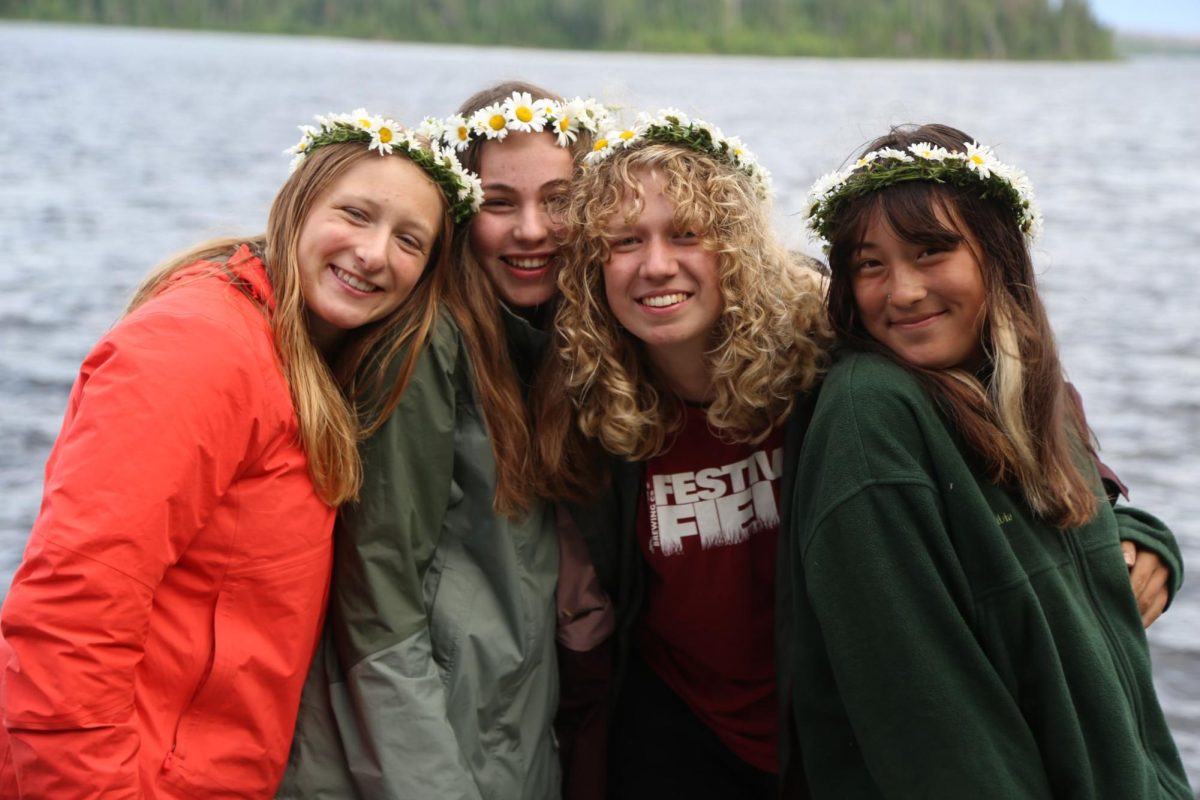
[
  {"x": 946, "y": 641},
  {"x": 438, "y": 677}
]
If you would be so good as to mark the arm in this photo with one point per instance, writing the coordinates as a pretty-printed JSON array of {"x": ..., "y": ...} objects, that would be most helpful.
[
  {"x": 1155, "y": 569},
  {"x": 585, "y": 653},
  {"x": 393, "y": 720},
  {"x": 156, "y": 427},
  {"x": 1154, "y": 560}
]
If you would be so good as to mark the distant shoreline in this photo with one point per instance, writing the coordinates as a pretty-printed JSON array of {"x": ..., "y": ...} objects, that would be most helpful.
[{"x": 863, "y": 29}]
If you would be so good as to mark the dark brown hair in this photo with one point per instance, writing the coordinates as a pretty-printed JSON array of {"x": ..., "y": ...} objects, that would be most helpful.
[{"x": 1015, "y": 415}]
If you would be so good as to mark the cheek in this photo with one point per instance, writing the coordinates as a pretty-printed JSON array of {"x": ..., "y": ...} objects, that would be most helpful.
[
  {"x": 614, "y": 287},
  {"x": 868, "y": 298},
  {"x": 486, "y": 236}
]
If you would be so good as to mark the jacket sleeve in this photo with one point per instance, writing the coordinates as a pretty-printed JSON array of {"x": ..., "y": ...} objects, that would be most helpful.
[
  {"x": 586, "y": 620},
  {"x": 393, "y": 718},
  {"x": 157, "y": 425},
  {"x": 1149, "y": 533}
]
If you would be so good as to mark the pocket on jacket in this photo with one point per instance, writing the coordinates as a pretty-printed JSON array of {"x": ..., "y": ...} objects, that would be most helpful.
[{"x": 237, "y": 727}]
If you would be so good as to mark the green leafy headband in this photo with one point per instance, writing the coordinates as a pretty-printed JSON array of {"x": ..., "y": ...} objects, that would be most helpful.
[
  {"x": 670, "y": 126},
  {"x": 976, "y": 168},
  {"x": 463, "y": 191}
]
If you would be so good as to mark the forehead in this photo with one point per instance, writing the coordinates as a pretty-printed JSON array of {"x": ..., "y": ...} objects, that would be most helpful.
[
  {"x": 391, "y": 182},
  {"x": 524, "y": 159}
]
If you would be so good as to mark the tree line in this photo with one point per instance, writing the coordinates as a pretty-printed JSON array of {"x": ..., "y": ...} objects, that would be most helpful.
[{"x": 1011, "y": 29}]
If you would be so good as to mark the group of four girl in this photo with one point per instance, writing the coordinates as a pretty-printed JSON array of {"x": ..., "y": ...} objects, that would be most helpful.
[{"x": 567, "y": 389}]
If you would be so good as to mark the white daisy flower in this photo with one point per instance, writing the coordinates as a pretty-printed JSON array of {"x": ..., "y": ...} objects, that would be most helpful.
[
  {"x": 869, "y": 158},
  {"x": 491, "y": 121},
  {"x": 432, "y": 128},
  {"x": 523, "y": 114},
  {"x": 602, "y": 148},
  {"x": 382, "y": 138},
  {"x": 626, "y": 137},
  {"x": 825, "y": 184},
  {"x": 979, "y": 159},
  {"x": 741, "y": 155},
  {"x": 362, "y": 119},
  {"x": 680, "y": 117},
  {"x": 546, "y": 107},
  {"x": 565, "y": 128},
  {"x": 928, "y": 151},
  {"x": 456, "y": 132},
  {"x": 591, "y": 113},
  {"x": 894, "y": 154}
]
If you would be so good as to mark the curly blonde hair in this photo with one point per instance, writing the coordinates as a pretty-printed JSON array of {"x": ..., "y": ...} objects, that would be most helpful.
[{"x": 768, "y": 344}]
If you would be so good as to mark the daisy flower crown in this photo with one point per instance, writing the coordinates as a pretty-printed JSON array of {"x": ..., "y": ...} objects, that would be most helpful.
[
  {"x": 519, "y": 112},
  {"x": 976, "y": 169},
  {"x": 463, "y": 191},
  {"x": 670, "y": 126}
]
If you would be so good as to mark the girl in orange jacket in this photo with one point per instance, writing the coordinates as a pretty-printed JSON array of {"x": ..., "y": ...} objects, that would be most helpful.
[{"x": 158, "y": 631}]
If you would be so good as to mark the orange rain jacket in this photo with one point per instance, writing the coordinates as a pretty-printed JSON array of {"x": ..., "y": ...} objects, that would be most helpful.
[{"x": 161, "y": 624}]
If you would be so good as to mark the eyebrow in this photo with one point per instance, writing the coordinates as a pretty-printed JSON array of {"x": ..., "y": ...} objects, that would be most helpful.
[
  {"x": 373, "y": 206},
  {"x": 504, "y": 187}
]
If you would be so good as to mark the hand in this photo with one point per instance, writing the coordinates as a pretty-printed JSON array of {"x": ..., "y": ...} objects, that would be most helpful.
[{"x": 1148, "y": 577}]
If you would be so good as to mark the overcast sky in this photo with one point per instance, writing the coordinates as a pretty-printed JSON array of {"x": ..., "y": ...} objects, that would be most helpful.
[{"x": 1150, "y": 16}]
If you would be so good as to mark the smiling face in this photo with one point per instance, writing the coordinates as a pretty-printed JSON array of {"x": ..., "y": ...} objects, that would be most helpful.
[
  {"x": 364, "y": 244},
  {"x": 926, "y": 304},
  {"x": 514, "y": 237},
  {"x": 661, "y": 283}
]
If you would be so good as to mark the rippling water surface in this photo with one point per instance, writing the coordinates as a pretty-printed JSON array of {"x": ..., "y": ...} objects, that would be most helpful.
[{"x": 123, "y": 146}]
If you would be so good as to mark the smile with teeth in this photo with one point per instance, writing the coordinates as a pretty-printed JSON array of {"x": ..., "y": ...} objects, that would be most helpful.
[
  {"x": 354, "y": 282},
  {"x": 526, "y": 262},
  {"x": 664, "y": 300}
]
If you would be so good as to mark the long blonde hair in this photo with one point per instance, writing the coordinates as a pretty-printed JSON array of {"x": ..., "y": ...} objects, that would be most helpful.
[
  {"x": 768, "y": 344},
  {"x": 326, "y": 395}
]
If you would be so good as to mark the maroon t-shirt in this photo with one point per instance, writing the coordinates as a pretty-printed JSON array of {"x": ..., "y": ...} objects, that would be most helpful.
[{"x": 707, "y": 525}]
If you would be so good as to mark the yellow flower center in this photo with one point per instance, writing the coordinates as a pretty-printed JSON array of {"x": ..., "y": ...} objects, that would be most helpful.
[
  {"x": 496, "y": 122},
  {"x": 627, "y": 135},
  {"x": 976, "y": 158},
  {"x": 463, "y": 133},
  {"x": 524, "y": 113},
  {"x": 564, "y": 125},
  {"x": 600, "y": 145},
  {"x": 365, "y": 123},
  {"x": 385, "y": 135}
]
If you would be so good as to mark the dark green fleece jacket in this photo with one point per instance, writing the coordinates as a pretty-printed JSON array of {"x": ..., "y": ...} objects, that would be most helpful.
[{"x": 946, "y": 642}]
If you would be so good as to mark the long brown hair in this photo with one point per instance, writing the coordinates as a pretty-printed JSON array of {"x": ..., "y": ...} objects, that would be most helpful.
[
  {"x": 767, "y": 345},
  {"x": 326, "y": 395},
  {"x": 1015, "y": 414},
  {"x": 472, "y": 301}
]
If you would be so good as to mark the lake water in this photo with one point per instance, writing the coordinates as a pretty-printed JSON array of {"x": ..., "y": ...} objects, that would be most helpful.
[{"x": 126, "y": 145}]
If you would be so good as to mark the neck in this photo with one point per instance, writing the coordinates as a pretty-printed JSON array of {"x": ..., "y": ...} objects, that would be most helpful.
[
  {"x": 685, "y": 371},
  {"x": 328, "y": 338}
]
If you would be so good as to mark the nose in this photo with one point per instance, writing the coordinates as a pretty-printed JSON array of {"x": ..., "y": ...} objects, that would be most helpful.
[
  {"x": 906, "y": 286},
  {"x": 659, "y": 262},
  {"x": 371, "y": 249},
  {"x": 533, "y": 224}
]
